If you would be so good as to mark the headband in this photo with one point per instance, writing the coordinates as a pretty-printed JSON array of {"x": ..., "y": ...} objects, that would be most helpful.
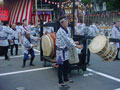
[{"x": 63, "y": 19}]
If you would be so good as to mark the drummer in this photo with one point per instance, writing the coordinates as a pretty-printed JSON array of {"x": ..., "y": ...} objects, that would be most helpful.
[
  {"x": 116, "y": 34},
  {"x": 63, "y": 43},
  {"x": 28, "y": 48}
]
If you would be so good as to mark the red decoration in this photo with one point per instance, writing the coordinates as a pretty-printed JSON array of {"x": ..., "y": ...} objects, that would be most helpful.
[
  {"x": 3, "y": 15},
  {"x": 107, "y": 14},
  {"x": 113, "y": 14},
  {"x": 119, "y": 13}
]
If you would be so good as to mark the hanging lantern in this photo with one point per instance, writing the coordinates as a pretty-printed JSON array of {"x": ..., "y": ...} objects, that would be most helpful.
[
  {"x": 45, "y": 1},
  {"x": 118, "y": 13},
  {"x": 49, "y": 2},
  {"x": 107, "y": 14},
  {"x": 52, "y": 2},
  {"x": 58, "y": 6},
  {"x": 113, "y": 14}
]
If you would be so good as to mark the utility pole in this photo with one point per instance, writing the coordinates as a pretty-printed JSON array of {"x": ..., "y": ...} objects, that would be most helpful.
[
  {"x": 60, "y": 4},
  {"x": 36, "y": 15}
]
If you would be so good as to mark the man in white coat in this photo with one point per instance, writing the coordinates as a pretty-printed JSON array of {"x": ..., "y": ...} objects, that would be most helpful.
[
  {"x": 28, "y": 47},
  {"x": 24, "y": 28},
  {"x": 15, "y": 39},
  {"x": 4, "y": 33},
  {"x": 63, "y": 43},
  {"x": 116, "y": 35}
]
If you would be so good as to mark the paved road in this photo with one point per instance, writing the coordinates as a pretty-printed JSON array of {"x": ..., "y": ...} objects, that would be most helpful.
[{"x": 100, "y": 75}]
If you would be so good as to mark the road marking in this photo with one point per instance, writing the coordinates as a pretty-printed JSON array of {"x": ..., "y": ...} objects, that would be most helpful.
[
  {"x": 104, "y": 75},
  {"x": 25, "y": 71},
  {"x": 88, "y": 74},
  {"x": 36, "y": 50},
  {"x": 117, "y": 89},
  {"x": 15, "y": 56},
  {"x": 14, "y": 48}
]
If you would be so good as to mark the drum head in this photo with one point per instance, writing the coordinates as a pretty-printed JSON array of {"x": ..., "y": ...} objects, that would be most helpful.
[
  {"x": 46, "y": 45},
  {"x": 53, "y": 39},
  {"x": 97, "y": 44}
]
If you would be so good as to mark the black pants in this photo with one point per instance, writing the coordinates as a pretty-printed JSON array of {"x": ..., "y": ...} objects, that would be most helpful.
[
  {"x": 117, "y": 57},
  {"x": 4, "y": 51},
  {"x": 31, "y": 52},
  {"x": 63, "y": 71},
  {"x": 1, "y": 51},
  {"x": 88, "y": 57},
  {"x": 16, "y": 47}
]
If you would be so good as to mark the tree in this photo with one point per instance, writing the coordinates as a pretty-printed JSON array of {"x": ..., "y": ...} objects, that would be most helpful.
[{"x": 113, "y": 4}]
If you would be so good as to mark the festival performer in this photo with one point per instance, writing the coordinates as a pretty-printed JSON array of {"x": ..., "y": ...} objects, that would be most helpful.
[
  {"x": 116, "y": 34},
  {"x": 63, "y": 43},
  {"x": 24, "y": 28},
  {"x": 5, "y": 31},
  {"x": 28, "y": 47},
  {"x": 15, "y": 39}
]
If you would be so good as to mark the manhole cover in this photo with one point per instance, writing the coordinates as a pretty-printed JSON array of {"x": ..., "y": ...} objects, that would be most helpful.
[{"x": 20, "y": 88}]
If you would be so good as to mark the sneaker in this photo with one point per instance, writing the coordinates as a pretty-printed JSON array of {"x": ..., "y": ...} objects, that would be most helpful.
[
  {"x": 32, "y": 65},
  {"x": 88, "y": 64},
  {"x": 8, "y": 59},
  {"x": 23, "y": 66},
  {"x": 69, "y": 81},
  {"x": 62, "y": 85}
]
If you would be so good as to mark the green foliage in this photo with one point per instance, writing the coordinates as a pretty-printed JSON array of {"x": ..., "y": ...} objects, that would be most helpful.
[
  {"x": 113, "y": 5},
  {"x": 86, "y": 1}
]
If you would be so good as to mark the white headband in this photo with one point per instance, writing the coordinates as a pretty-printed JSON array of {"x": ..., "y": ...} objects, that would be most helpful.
[{"x": 63, "y": 19}]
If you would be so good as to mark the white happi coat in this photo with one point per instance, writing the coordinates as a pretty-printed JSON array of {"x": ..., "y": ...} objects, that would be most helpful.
[
  {"x": 15, "y": 36},
  {"x": 87, "y": 30},
  {"x": 5, "y": 31},
  {"x": 116, "y": 35},
  {"x": 78, "y": 28},
  {"x": 95, "y": 28},
  {"x": 25, "y": 29},
  {"x": 63, "y": 41},
  {"x": 27, "y": 45}
]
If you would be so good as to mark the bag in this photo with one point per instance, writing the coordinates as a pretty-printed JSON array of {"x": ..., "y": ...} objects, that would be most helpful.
[{"x": 73, "y": 54}]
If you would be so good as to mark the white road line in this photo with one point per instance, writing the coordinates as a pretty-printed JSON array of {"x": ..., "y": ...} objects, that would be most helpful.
[
  {"x": 16, "y": 56},
  {"x": 25, "y": 71},
  {"x": 36, "y": 50},
  {"x": 117, "y": 89},
  {"x": 14, "y": 48},
  {"x": 104, "y": 75}
]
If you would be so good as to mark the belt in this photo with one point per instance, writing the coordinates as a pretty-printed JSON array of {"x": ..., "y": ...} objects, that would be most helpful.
[
  {"x": 15, "y": 39},
  {"x": 63, "y": 49},
  {"x": 3, "y": 38}
]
